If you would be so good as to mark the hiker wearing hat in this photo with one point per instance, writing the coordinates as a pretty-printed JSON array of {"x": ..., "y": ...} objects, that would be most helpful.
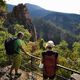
[
  {"x": 49, "y": 60},
  {"x": 17, "y": 54}
]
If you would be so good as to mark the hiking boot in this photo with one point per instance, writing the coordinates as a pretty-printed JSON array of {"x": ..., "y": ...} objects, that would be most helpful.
[
  {"x": 18, "y": 75},
  {"x": 9, "y": 75}
]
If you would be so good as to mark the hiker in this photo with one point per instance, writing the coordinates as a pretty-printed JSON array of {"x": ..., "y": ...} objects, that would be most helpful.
[
  {"x": 17, "y": 55},
  {"x": 49, "y": 61}
]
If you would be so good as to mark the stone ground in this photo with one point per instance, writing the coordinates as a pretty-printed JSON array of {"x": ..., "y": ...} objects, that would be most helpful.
[{"x": 25, "y": 75}]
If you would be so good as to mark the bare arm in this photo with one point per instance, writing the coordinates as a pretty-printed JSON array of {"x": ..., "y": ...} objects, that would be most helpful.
[{"x": 24, "y": 51}]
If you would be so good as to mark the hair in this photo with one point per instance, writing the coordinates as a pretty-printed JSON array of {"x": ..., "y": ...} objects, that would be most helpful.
[
  {"x": 48, "y": 47},
  {"x": 19, "y": 34}
]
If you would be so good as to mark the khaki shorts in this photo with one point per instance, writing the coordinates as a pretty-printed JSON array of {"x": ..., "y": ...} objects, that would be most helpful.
[{"x": 17, "y": 60}]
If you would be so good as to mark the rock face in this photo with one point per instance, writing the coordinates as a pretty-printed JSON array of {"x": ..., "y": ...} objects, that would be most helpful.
[
  {"x": 20, "y": 12},
  {"x": 21, "y": 16}
]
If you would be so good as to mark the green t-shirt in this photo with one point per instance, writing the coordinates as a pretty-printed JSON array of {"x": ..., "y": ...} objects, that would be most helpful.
[{"x": 17, "y": 45}]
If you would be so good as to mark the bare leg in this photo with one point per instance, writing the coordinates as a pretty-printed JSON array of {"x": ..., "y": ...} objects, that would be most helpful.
[
  {"x": 11, "y": 69},
  {"x": 16, "y": 70}
]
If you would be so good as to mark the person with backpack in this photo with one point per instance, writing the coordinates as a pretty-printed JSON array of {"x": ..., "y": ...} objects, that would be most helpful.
[
  {"x": 9, "y": 48},
  {"x": 16, "y": 54},
  {"x": 49, "y": 61}
]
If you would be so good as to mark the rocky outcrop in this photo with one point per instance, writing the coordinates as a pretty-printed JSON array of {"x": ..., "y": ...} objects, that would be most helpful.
[
  {"x": 21, "y": 16},
  {"x": 20, "y": 12}
]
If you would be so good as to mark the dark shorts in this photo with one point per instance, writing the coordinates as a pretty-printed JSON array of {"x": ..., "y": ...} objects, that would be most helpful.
[{"x": 46, "y": 77}]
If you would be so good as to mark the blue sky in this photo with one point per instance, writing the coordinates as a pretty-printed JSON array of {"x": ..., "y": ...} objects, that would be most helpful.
[{"x": 67, "y": 6}]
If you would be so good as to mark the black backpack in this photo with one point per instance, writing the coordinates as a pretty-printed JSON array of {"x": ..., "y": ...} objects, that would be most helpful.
[{"x": 9, "y": 45}]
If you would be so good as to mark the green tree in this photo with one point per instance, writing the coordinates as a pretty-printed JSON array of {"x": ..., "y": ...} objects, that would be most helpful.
[
  {"x": 18, "y": 28},
  {"x": 76, "y": 48},
  {"x": 3, "y": 6},
  {"x": 63, "y": 50}
]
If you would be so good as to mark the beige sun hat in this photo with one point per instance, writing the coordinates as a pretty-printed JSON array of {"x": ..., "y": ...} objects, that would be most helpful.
[{"x": 49, "y": 44}]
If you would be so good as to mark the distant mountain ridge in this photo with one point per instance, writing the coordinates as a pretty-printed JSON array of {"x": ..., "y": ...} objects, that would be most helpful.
[
  {"x": 35, "y": 11},
  {"x": 10, "y": 7},
  {"x": 66, "y": 21},
  {"x": 58, "y": 26}
]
